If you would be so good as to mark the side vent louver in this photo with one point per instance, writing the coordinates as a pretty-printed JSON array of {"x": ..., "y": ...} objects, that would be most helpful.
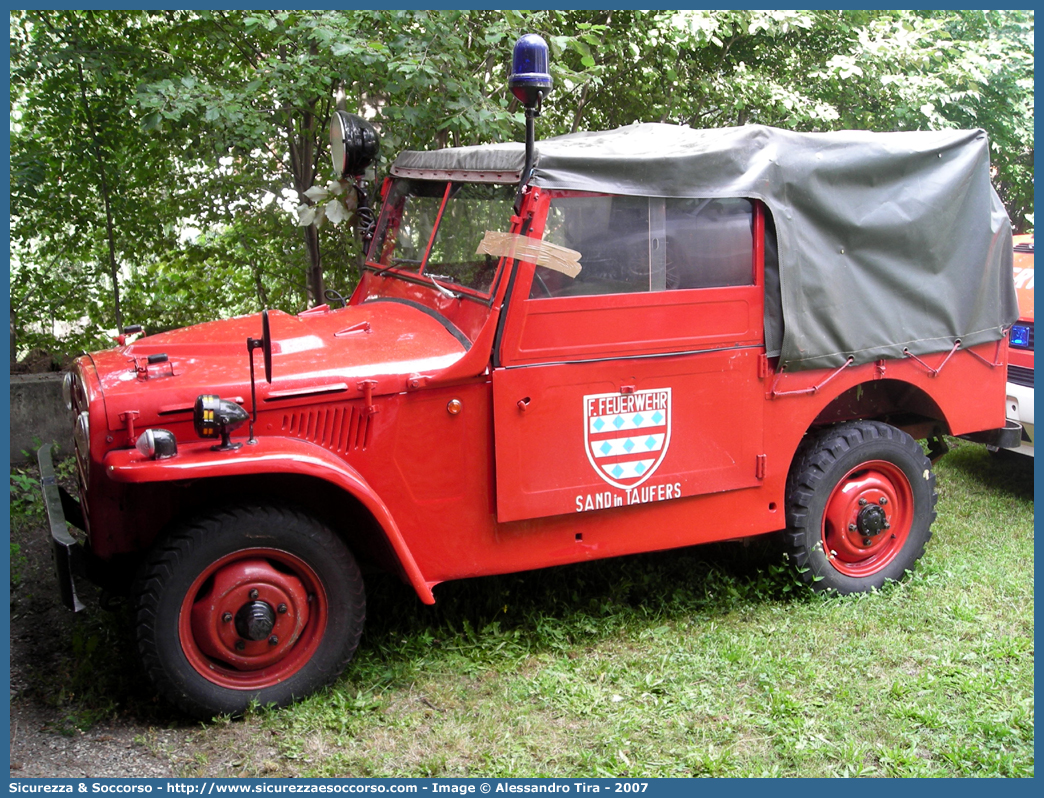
[{"x": 339, "y": 428}]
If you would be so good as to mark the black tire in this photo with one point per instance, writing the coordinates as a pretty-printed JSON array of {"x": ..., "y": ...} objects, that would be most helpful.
[
  {"x": 293, "y": 590},
  {"x": 860, "y": 506}
]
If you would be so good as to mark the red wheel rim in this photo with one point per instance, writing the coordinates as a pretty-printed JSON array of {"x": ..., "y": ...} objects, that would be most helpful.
[
  {"x": 868, "y": 518},
  {"x": 253, "y": 618}
]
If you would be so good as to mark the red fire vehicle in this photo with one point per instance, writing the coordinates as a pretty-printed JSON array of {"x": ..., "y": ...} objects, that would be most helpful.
[{"x": 602, "y": 344}]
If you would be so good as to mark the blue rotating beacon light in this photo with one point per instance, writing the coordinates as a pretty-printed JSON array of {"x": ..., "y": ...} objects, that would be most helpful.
[{"x": 530, "y": 82}]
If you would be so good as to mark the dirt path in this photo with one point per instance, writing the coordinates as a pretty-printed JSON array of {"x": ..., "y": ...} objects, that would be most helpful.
[{"x": 63, "y": 724}]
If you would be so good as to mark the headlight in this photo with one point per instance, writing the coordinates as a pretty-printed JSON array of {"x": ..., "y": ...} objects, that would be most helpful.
[
  {"x": 354, "y": 144},
  {"x": 157, "y": 444},
  {"x": 82, "y": 442},
  {"x": 213, "y": 416},
  {"x": 67, "y": 390},
  {"x": 82, "y": 434}
]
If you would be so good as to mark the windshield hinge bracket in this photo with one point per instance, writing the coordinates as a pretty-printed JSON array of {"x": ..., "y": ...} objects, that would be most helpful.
[
  {"x": 128, "y": 420},
  {"x": 367, "y": 386},
  {"x": 415, "y": 381}
]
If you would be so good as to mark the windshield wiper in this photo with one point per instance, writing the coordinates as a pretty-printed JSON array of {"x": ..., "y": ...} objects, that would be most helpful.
[
  {"x": 441, "y": 288},
  {"x": 395, "y": 263},
  {"x": 445, "y": 291}
]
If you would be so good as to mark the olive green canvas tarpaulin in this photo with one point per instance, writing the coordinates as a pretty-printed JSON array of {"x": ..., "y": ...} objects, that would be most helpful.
[{"x": 886, "y": 241}]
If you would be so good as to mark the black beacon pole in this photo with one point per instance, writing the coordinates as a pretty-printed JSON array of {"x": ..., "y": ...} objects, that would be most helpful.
[{"x": 530, "y": 82}]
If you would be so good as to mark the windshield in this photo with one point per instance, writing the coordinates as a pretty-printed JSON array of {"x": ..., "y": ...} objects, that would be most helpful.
[{"x": 433, "y": 229}]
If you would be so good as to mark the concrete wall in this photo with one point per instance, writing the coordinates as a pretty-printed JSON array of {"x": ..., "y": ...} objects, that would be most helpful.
[{"x": 38, "y": 411}]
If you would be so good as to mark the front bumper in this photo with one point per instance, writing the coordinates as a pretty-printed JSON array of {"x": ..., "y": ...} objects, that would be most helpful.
[
  {"x": 68, "y": 553},
  {"x": 1020, "y": 409}
]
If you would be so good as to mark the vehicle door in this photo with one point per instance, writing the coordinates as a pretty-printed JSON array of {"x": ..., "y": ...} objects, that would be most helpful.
[{"x": 639, "y": 379}]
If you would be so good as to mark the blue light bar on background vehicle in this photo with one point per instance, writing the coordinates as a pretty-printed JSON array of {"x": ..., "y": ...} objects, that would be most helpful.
[{"x": 1020, "y": 336}]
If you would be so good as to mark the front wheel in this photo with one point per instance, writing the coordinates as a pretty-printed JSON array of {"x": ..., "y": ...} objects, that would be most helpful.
[
  {"x": 248, "y": 604},
  {"x": 860, "y": 505}
]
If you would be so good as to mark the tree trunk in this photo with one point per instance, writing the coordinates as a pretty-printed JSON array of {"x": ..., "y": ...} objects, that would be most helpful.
[
  {"x": 259, "y": 286},
  {"x": 580, "y": 108},
  {"x": 103, "y": 188},
  {"x": 316, "y": 285},
  {"x": 302, "y": 164}
]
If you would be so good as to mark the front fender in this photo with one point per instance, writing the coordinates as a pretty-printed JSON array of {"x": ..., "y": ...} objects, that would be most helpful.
[{"x": 269, "y": 456}]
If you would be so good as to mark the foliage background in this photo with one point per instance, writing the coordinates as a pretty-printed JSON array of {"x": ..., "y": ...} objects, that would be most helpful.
[{"x": 157, "y": 157}]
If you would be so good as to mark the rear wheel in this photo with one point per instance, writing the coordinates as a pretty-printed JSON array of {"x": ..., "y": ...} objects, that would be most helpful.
[
  {"x": 860, "y": 505},
  {"x": 248, "y": 604}
]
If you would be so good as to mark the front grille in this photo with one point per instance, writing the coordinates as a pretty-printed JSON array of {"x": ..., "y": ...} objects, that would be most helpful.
[
  {"x": 339, "y": 428},
  {"x": 1020, "y": 376}
]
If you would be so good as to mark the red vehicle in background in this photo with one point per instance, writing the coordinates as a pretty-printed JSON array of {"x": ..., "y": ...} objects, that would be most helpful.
[
  {"x": 1020, "y": 355},
  {"x": 610, "y": 343}
]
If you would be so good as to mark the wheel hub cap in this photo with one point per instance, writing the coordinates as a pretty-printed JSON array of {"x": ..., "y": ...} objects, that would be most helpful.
[
  {"x": 255, "y": 620},
  {"x": 871, "y": 521},
  {"x": 248, "y": 590}
]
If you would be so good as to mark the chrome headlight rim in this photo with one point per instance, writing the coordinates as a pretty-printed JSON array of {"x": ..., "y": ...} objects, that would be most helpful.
[
  {"x": 82, "y": 434},
  {"x": 68, "y": 386}
]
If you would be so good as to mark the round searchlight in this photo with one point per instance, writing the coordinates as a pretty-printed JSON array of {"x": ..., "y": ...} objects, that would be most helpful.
[
  {"x": 354, "y": 144},
  {"x": 530, "y": 80}
]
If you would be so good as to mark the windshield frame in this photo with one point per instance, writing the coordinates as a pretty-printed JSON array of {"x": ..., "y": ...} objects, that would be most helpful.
[{"x": 420, "y": 276}]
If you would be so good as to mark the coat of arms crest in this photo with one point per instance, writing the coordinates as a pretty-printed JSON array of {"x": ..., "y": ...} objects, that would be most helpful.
[{"x": 627, "y": 434}]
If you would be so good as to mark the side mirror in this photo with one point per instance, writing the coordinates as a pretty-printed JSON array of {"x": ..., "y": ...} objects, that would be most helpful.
[{"x": 266, "y": 345}]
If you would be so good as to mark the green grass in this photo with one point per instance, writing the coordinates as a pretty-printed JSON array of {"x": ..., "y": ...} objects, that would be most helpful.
[{"x": 711, "y": 661}]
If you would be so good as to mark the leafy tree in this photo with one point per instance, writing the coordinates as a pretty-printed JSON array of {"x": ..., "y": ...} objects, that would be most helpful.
[
  {"x": 808, "y": 70},
  {"x": 264, "y": 84},
  {"x": 84, "y": 175},
  {"x": 157, "y": 157}
]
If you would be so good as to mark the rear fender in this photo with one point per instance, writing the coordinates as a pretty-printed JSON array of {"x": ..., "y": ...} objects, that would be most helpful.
[
  {"x": 269, "y": 456},
  {"x": 880, "y": 399}
]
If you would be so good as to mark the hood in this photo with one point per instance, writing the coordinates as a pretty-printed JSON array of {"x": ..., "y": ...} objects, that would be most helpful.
[{"x": 318, "y": 352}]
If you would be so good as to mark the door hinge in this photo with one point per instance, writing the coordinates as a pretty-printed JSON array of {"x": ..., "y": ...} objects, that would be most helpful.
[{"x": 759, "y": 466}]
